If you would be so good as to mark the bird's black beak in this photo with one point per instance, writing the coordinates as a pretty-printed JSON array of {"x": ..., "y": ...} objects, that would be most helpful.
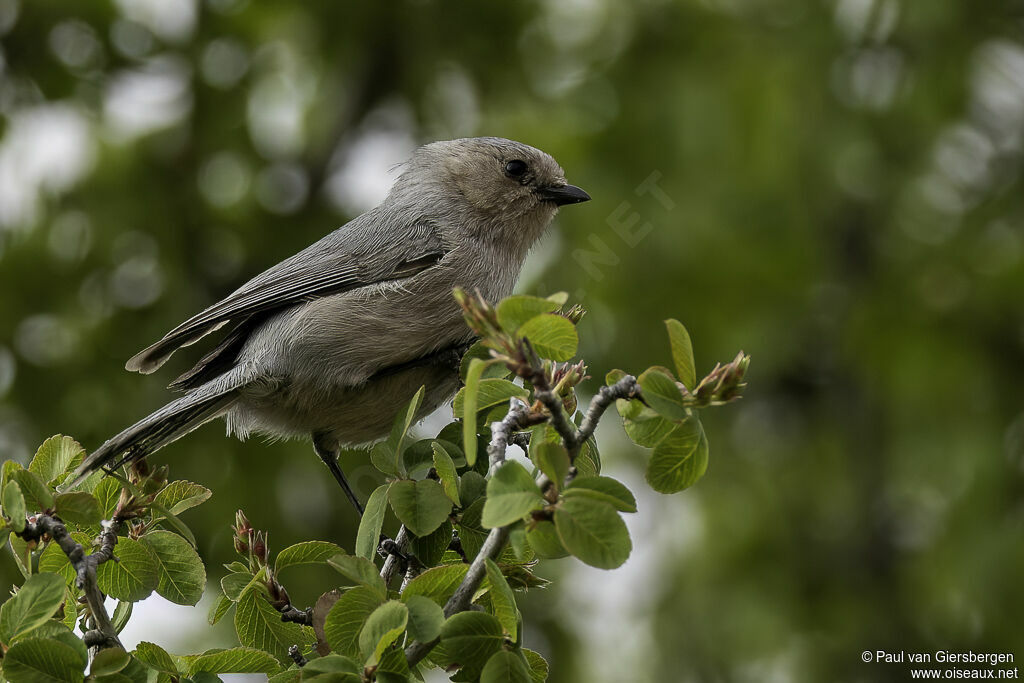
[{"x": 563, "y": 194}]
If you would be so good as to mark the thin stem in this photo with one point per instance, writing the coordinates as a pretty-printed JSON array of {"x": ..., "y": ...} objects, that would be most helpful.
[{"x": 85, "y": 567}]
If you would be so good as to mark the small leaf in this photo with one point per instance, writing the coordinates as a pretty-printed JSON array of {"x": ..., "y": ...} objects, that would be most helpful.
[
  {"x": 472, "y": 485},
  {"x": 661, "y": 393},
  {"x": 182, "y": 576},
  {"x": 219, "y": 608},
  {"x": 333, "y": 664},
  {"x": 346, "y": 619},
  {"x": 437, "y": 583},
  {"x": 604, "y": 488},
  {"x": 237, "y": 660},
  {"x": 122, "y": 613},
  {"x": 472, "y": 388},
  {"x": 387, "y": 456},
  {"x": 107, "y": 493},
  {"x": 543, "y": 538},
  {"x": 445, "y": 468},
  {"x": 682, "y": 353},
  {"x": 421, "y": 505},
  {"x": 503, "y": 602},
  {"x": 78, "y": 507},
  {"x": 513, "y": 311},
  {"x": 133, "y": 576},
  {"x": 680, "y": 459},
  {"x": 593, "y": 532},
  {"x": 234, "y": 583},
  {"x": 648, "y": 429},
  {"x": 259, "y": 625},
  {"x": 480, "y": 351},
  {"x": 551, "y": 335},
  {"x": 381, "y": 629},
  {"x": 490, "y": 392},
  {"x": 425, "y": 618},
  {"x": 14, "y": 506},
  {"x": 166, "y": 516},
  {"x": 42, "y": 659},
  {"x": 35, "y": 603},
  {"x": 511, "y": 495},
  {"x": 538, "y": 666},
  {"x": 361, "y": 571},
  {"x": 368, "y": 535},
  {"x": 181, "y": 495},
  {"x": 470, "y": 638},
  {"x": 472, "y": 533},
  {"x": 55, "y": 457},
  {"x": 430, "y": 549},
  {"x": 38, "y": 496},
  {"x": 308, "y": 552},
  {"x": 109, "y": 661},
  {"x": 155, "y": 657},
  {"x": 505, "y": 667},
  {"x": 553, "y": 460}
]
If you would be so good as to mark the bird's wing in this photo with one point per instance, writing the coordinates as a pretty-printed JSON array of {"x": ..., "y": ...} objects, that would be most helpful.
[{"x": 319, "y": 270}]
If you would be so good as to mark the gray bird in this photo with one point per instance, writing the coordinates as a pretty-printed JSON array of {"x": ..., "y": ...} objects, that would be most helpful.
[{"x": 333, "y": 341}]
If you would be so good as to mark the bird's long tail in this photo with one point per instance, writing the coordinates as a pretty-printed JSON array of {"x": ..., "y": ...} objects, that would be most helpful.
[{"x": 151, "y": 433}]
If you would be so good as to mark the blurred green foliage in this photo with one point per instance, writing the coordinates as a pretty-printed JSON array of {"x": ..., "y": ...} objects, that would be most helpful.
[{"x": 833, "y": 186}]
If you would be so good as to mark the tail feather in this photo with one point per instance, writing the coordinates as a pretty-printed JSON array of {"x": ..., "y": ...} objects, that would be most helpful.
[{"x": 173, "y": 421}]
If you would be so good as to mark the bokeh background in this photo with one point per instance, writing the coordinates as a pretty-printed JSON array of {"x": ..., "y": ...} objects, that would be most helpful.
[{"x": 833, "y": 186}]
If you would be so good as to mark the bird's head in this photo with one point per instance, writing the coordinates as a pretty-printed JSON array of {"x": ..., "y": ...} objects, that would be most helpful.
[{"x": 491, "y": 185}]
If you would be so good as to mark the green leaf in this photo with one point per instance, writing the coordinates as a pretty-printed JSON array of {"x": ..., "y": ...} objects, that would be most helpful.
[
  {"x": 107, "y": 494},
  {"x": 662, "y": 394},
  {"x": 445, "y": 468},
  {"x": 553, "y": 460},
  {"x": 234, "y": 583},
  {"x": 469, "y": 401},
  {"x": 14, "y": 506},
  {"x": 382, "y": 456},
  {"x": 35, "y": 603},
  {"x": 682, "y": 353},
  {"x": 219, "y": 608},
  {"x": 122, "y": 613},
  {"x": 491, "y": 392},
  {"x": 55, "y": 457},
  {"x": 58, "y": 631},
  {"x": 309, "y": 552},
  {"x": 603, "y": 488},
  {"x": 42, "y": 660},
  {"x": 78, "y": 507},
  {"x": 38, "y": 496},
  {"x": 503, "y": 602},
  {"x": 680, "y": 459},
  {"x": 387, "y": 456},
  {"x": 513, "y": 311},
  {"x": 181, "y": 495},
  {"x": 393, "y": 667},
  {"x": 472, "y": 533},
  {"x": 649, "y": 428},
  {"x": 109, "y": 661},
  {"x": 368, "y": 536},
  {"x": 237, "y": 660},
  {"x": 162, "y": 514},
  {"x": 472, "y": 485},
  {"x": 333, "y": 664},
  {"x": 471, "y": 638},
  {"x": 538, "y": 666},
  {"x": 134, "y": 576},
  {"x": 437, "y": 583},
  {"x": 425, "y": 618},
  {"x": 361, "y": 571},
  {"x": 430, "y": 549},
  {"x": 551, "y": 335},
  {"x": 259, "y": 625},
  {"x": 155, "y": 657},
  {"x": 181, "y": 574},
  {"x": 421, "y": 505},
  {"x": 505, "y": 667},
  {"x": 346, "y": 619},
  {"x": 479, "y": 350},
  {"x": 381, "y": 629},
  {"x": 593, "y": 532},
  {"x": 511, "y": 495}
]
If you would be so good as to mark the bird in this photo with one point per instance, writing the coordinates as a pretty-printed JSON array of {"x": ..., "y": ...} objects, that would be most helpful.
[{"x": 331, "y": 342}]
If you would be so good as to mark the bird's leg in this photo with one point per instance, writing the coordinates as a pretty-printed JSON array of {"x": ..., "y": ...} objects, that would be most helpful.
[{"x": 328, "y": 452}]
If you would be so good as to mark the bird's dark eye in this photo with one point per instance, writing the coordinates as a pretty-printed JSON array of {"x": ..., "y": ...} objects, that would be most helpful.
[{"x": 515, "y": 168}]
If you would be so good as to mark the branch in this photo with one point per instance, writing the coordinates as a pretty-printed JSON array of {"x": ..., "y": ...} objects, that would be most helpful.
[
  {"x": 624, "y": 388},
  {"x": 463, "y": 595},
  {"x": 85, "y": 569},
  {"x": 393, "y": 562}
]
